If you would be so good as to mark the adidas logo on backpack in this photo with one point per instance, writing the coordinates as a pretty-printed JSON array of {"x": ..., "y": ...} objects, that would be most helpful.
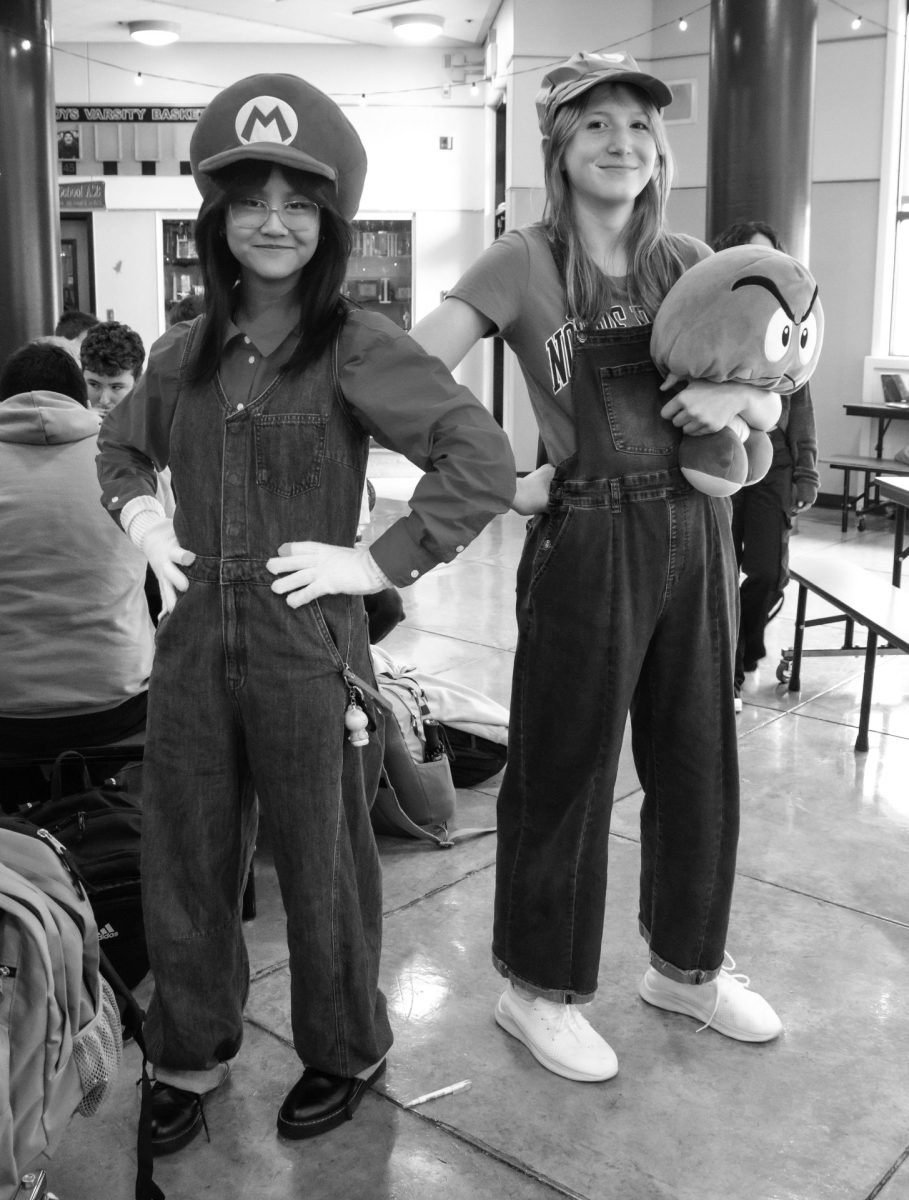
[{"x": 107, "y": 931}]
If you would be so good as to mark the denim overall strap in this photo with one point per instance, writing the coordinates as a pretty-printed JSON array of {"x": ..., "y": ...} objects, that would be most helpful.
[{"x": 626, "y": 602}]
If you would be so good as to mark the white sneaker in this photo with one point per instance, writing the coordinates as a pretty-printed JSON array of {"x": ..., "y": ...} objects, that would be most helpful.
[
  {"x": 724, "y": 1004},
  {"x": 557, "y": 1036}
]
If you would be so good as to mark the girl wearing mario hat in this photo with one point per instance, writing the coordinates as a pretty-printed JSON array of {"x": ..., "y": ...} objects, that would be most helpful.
[
  {"x": 263, "y": 408},
  {"x": 626, "y": 589}
]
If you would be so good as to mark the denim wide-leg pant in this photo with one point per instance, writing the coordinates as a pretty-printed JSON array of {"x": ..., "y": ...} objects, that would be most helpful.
[
  {"x": 627, "y": 600},
  {"x": 264, "y": 710}
]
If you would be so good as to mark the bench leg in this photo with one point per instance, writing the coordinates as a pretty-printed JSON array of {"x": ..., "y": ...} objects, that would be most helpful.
[
  {"x": 861, "y": 742},
  {"x": 898, "y": 535},
  {"x": 845, "y": 519},
  {"x": 795, "y": 680}
]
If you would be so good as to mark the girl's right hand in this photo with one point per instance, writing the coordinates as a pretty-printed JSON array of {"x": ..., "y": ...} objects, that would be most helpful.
[
  {"x": 165, "y": 555},
  {"x": 532, "y": 493}
]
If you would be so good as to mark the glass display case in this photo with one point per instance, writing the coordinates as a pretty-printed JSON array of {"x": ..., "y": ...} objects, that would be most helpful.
[
  {"x": 379, "y": 275},
  {"x": 379, "y": 272},
  {"x": 182, "y": 275}
]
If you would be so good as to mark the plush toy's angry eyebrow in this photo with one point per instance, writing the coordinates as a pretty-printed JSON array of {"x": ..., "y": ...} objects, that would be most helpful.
[{"x": 764, "y": 282}]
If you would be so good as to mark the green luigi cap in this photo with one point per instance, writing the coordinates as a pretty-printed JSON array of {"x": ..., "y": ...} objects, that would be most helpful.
[
  {"x": 583, "y": 71},
  {"x": 283, "y": 120}
]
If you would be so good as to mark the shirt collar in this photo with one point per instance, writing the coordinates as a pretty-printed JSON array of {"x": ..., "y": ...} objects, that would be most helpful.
[{"x": 269, "y": 330}]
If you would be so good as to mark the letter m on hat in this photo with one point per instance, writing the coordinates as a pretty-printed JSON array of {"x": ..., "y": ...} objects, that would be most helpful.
[{"x": 266, "y": 119}]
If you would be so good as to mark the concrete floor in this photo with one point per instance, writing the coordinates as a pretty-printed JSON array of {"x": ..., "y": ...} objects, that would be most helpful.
[{"x": 820, "y": 922}]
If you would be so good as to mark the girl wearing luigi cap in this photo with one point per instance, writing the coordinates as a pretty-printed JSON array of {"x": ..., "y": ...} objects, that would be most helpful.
[
  {"x": 626, "y": 588},
  {"x": 263, "y": 408}
]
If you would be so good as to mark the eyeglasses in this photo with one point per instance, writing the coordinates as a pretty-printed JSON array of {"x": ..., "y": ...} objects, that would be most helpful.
[{"x": 250, "y": 213}]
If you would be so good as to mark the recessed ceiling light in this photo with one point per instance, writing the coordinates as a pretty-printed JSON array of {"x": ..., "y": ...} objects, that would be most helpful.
[
  {"x": 417, "y": 28},
  {"x": 154, "y": 33}
]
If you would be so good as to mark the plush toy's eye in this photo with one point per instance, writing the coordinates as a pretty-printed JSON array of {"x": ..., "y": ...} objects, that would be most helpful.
[
  {"x": 808, "y": 338},
  {"x": 778, "y": 337}
]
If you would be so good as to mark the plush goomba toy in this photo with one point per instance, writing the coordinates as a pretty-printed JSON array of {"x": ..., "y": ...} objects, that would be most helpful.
[{"x": 748, "y": 314}]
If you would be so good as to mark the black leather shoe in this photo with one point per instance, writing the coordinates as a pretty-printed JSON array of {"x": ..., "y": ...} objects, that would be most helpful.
[
  {"x": 318, "y": 1102},
  {"x": 176, "y": 1118}
]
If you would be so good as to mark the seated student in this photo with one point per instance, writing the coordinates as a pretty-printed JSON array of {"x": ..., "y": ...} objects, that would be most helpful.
[
  {"x": 74, "y": 325},
  {"x": 76, "y": 640},
  {"x": 112, "y": 359},
  {"x": 187, "y": 309}
]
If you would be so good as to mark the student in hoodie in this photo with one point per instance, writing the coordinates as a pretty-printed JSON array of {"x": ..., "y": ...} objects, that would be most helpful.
[{"x": 76, "y": 639}]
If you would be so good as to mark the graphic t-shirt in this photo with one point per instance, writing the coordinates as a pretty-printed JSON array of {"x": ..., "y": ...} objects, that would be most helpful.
[{"x": 516, "y": 285}]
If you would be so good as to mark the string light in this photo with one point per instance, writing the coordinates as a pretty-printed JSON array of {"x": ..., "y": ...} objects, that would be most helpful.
[
  {"x": 26, "y": 44},
  {"x": 857, "y": 23},
  {"x": 683, "y": 24}
]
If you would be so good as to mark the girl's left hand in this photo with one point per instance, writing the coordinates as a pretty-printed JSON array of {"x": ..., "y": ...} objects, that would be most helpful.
[
  {"x": 309, "y": 570},
  {"x": 701, "y": 407}
]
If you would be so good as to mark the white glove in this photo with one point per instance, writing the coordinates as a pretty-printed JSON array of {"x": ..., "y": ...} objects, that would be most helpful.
[
  {"x": 309, "y": 570},
  {"x": 155, "y": 537}
]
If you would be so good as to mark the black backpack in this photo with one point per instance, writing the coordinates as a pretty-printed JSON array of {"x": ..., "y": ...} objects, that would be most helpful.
[{"x": 100, "y": 825}]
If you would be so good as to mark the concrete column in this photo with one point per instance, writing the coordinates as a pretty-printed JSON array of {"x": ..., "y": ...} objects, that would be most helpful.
[
  {"x": 762, "y": 61},
  {"x": 29, "y": 229}
]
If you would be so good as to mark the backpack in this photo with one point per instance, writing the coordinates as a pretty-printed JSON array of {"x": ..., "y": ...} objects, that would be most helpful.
[
  {"x": 416, "y": 795},
  {"x": 473, "y": 727},
  {"x": 100, "y": 825},
  {"x": 60, "y": 1032}
]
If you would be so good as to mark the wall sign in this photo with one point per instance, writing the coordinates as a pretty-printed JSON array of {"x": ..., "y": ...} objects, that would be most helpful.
[
  {"x": 126, "y": 113},
  {"x": 85, "y": 194}
]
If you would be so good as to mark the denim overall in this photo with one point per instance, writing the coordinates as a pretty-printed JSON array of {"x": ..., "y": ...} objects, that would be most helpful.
[
  {"x": 247, "y": 693},
  {"x": 626, "y": 599}
]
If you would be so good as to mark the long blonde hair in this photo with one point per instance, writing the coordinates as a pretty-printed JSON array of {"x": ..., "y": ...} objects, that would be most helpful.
[{"x": 654, "y": 259}]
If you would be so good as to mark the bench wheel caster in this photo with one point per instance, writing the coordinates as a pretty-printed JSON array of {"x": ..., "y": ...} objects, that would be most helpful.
[
  {"x": 860, "y": 524},
  {"x": 784, "y": 668}
]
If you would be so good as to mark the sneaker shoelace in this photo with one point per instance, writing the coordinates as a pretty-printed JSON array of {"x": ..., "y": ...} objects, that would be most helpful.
[{"x": 727, "y": 971}]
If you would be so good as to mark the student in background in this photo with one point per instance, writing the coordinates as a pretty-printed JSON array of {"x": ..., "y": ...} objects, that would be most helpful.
[
  {"x": 626, "y": 588},
  {"x": 75, "y": 634},
  {"x": 74, "y": 325},
  {"x": 112, "y": 358},
  {"x": 762, "y": 513},
  {"x": 186, "y": 309}
]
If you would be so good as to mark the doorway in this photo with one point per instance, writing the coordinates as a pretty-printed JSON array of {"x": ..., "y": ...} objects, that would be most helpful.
[{"x": 77, "y": 262}]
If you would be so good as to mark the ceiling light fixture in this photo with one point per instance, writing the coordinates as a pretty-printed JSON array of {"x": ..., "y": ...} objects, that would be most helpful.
[
  {"x": 154, "y": 33},
  {"x": 417, "y": 28}
]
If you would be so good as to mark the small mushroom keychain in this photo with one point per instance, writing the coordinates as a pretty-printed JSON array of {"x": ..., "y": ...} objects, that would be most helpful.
[{"x": 356, "y": 721}]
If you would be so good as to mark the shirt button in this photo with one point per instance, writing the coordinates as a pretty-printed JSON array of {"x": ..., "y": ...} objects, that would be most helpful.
[
  {"x": 246, "y": 341},
  {"x": 240, "y": 407},
  {"x": 252, "y": 358},
  {"x": 414, "y": 574},
  {"x": 458, "y": 549},
  {"x": 114, "y": 499}
]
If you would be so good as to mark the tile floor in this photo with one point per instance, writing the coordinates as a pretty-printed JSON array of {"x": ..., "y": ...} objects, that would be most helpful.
[{"x": 820, "y": 922}]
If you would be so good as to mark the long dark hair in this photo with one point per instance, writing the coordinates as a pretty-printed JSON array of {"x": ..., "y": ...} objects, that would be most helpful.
[
  {"x": 322, "y": 311},
  {"x": 655, "y": 262}
]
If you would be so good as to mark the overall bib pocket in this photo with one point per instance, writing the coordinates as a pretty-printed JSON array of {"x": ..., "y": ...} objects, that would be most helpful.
[
  {"x": 290, "y": 449},
  {"x": 632, "y": 403}
]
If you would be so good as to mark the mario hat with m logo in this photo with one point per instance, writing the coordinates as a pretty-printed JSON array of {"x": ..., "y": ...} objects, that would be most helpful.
[{"x": 284, "y": 120}]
